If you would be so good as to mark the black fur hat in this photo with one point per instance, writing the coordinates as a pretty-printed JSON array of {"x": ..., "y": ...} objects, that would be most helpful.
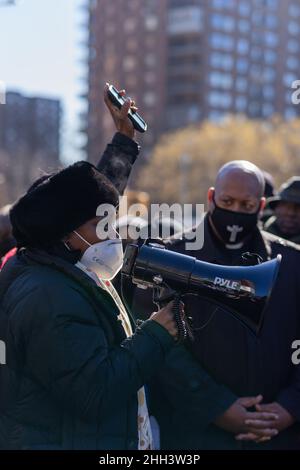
[{"x": 57, "y": 204}]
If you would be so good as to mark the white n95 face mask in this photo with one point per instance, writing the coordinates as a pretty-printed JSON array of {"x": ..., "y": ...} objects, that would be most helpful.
[{"x": 105, "y": 259}]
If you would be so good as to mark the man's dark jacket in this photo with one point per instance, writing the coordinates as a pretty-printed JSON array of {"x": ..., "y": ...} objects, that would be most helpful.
[{"x": 271, "y": 226}]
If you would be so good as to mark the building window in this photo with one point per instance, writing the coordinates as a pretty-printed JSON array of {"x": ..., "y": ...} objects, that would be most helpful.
[
  {"x": 222, "y": 41},
  {"x": 270, "y": 57},
  {"x": 220, "y": 100},
  {"x": 221, "y": 61},
  {"x": 220, "y": 80},
  {"x": 129, "y": 25},
  {"x": 151, "y": 22},
  {"x": 241, "y": 84},
  {"x": 294, "y": 10},
  {"x": 242, "y": 65},
  {"x": 223, "y": 23},
  {"x": 150, "y": 60},
  {"x": 288, "y": 79},
  {"x": 185, "y": 20},
  {"x": 243, "y": 46},
  {"x": 129, "y": 63},
  {"x": 271, "y": 21},
  {"x": 149, "y": 98},
  {"x": 294, "y": 28},
  {"x": 241, "y": 103},
  {"x": 271, "y": 39},
  {"x": 223, "y": 4},
  {"x": 271, "y": 4},
  {"x": 258, "y": 18},
  {"x": 269, "y": 74},
  {"x": 244, "y": 8},
  {"x": 193, "y": 113}
]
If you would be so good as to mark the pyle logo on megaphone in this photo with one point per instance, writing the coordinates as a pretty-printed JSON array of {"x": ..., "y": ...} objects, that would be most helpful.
[{"x": 219, "y": 281}]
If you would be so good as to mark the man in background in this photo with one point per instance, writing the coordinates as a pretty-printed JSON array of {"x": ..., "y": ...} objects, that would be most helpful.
[{"x": 285, "y": 222}]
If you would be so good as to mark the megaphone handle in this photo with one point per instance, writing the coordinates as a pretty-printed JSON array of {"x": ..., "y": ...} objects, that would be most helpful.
[
  {"x": 181, "y": 324},
  {"x": 161, "y": 300}
]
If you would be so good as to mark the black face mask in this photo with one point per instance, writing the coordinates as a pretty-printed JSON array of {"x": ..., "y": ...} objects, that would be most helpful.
[{"x": 233, "y": 227}]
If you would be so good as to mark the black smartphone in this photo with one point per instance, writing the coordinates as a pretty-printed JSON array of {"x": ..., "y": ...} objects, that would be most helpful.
[{"x": 138, "y": 122}]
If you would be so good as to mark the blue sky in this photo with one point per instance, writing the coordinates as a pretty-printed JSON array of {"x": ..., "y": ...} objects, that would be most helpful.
[{"x": 40, "y": 55}]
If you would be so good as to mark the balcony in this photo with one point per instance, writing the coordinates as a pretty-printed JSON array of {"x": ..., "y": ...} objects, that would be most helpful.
[{"x": 185, "y": 20}]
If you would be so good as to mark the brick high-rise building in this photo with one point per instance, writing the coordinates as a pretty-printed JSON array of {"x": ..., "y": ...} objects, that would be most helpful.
[
  {"x": 29, "y": 140},
  {"x": 253, "y": 59},
  {"x": 127, "y": 47},
  {"x": 188, "y": 60}
]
